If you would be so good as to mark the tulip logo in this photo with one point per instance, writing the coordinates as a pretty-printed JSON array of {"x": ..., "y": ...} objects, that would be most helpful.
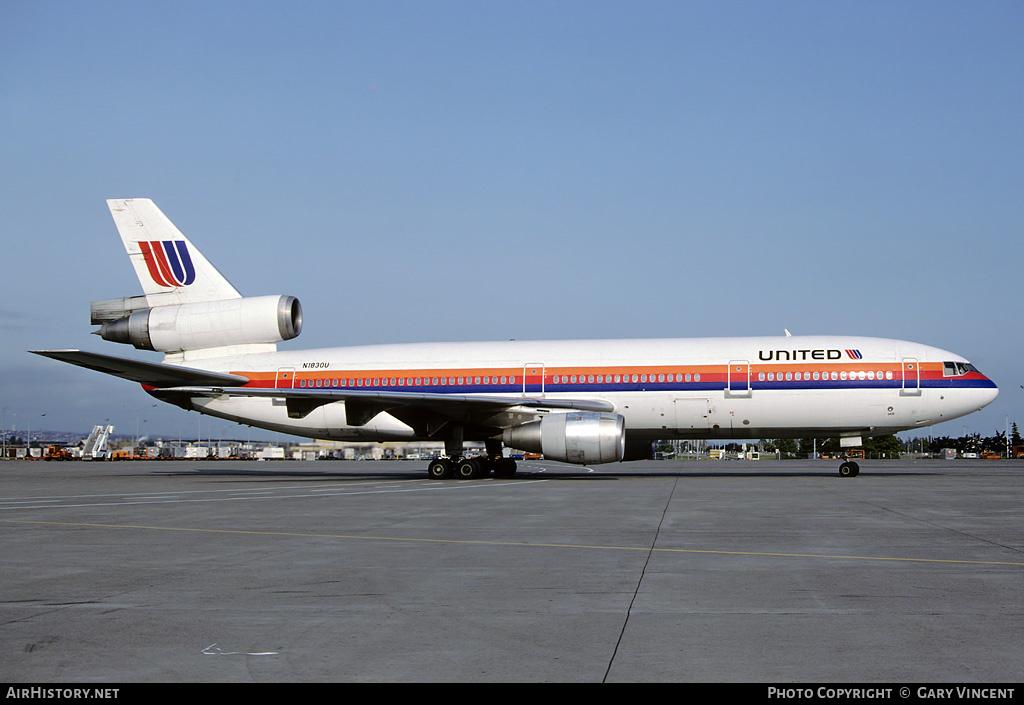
[{"x": 168, "y": 262}]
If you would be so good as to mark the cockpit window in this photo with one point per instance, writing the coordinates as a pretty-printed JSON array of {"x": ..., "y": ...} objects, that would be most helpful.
[{"x": 956, "y": 369}]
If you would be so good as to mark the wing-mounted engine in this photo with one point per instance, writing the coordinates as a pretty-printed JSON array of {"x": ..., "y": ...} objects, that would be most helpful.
[
  {"x": 198, "y": 326},
  {"x": 581, "y": 437}
]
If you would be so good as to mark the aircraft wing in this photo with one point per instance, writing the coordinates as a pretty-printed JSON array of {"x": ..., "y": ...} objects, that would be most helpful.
[
  {"x": 425, "y": 412},
  {"x": 153, "y": 374}
]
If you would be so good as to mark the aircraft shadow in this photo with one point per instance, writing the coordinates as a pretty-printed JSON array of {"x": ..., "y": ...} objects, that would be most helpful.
[{"x": 559, "y": 473}]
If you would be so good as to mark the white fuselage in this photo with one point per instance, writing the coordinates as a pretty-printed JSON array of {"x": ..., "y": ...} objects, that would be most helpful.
[{"x": 743, "y": 388}]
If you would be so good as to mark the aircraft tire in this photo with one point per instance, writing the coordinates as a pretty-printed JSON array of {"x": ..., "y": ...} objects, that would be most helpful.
[
  {"x": 469, "y": 469},
  {"x": 849, "y": 469},
  {"x": 440, "y": 469}
]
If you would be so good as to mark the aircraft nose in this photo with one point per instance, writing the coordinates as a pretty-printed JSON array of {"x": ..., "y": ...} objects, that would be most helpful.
[
  {"x": 988, "y": 395},
  {"x": 984, "y": 393}
]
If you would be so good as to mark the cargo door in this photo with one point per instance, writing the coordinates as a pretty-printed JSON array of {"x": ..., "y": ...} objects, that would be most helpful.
[{"x": 693, "y": 416}]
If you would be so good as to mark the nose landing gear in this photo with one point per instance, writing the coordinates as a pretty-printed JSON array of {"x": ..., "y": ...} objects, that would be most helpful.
[{"x": 849, "y": 468}]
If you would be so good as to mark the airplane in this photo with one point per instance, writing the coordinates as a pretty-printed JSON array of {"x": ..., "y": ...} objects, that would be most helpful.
[{"x": 582, "y": 402}]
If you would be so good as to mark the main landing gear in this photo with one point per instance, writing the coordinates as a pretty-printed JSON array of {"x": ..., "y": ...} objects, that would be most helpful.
[
  {"x": 470, "y": 468},
  {"x": 457, "y": 465}
]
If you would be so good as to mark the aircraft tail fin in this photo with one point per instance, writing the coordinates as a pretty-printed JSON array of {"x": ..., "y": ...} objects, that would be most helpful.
[
  {"x": 189, "y": 310},
  {"x": 169, "y": 267}
]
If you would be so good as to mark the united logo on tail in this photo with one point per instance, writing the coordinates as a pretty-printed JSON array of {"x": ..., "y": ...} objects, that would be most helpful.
[{"x": 169, "y": 262}]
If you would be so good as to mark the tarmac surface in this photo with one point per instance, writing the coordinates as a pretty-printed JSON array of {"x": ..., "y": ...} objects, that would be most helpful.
[{"x": 713, "y": 571}]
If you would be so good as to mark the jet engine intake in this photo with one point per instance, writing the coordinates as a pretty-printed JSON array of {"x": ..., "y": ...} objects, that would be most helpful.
[
  {"x": 581, "y": 437},
  {"x": 209, "y": 324}
]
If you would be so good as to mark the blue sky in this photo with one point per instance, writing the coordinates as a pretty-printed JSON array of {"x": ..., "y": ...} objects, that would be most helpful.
[{"x": 490, "y": 170}]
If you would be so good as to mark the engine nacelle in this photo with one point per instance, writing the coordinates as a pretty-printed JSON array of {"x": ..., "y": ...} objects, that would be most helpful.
[
  {"x": 209, "y": 324},
  {"x": 581, "y": 437}
]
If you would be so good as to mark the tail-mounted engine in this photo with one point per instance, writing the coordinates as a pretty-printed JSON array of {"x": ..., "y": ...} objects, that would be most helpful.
[
  {"x": 581, "y": 437},
  {"x": 196, "y": 326}
]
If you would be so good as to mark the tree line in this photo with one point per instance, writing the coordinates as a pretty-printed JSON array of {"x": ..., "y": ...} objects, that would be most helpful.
[
  {"x": 880, "y": 446},
  {"x": 970, "y": 443},
  {"x": 892, "y": 447}
]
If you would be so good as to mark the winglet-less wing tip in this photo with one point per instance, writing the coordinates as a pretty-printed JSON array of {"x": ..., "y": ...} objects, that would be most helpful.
[{"x": 153, "y": 374}]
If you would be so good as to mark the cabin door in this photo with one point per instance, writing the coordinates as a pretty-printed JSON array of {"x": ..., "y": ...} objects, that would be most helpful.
[
  {"x": 737, "y": 383},
  {"x": 533, "y": 379},
  {"x": 285, "y": 378},
  {"x": 911, "y": 378}
]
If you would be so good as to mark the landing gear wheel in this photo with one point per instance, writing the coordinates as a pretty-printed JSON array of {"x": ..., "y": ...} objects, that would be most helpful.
[
  {"x": 849, "y": 469},
  {"x": 440, "y": 469},
  {"x": 471, "y": 469}
]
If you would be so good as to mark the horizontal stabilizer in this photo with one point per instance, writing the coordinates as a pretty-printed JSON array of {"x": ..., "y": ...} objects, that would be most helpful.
[{"x": 153, "y": 374}]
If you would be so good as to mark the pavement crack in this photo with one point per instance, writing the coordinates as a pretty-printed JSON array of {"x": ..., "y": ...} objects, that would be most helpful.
[{"x": 640, "y": 580}]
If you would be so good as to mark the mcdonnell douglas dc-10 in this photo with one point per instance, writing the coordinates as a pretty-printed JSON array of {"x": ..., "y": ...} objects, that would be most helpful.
[{"x": 577, "y": 401}]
